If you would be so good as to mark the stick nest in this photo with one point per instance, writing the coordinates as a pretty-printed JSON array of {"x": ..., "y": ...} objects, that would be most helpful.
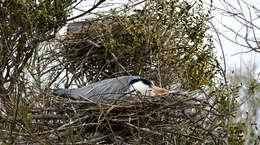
[{"x": 175, "y": 118}]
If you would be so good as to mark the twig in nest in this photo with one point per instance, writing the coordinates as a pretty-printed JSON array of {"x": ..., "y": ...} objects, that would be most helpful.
[{"x": 144, "y": 129}]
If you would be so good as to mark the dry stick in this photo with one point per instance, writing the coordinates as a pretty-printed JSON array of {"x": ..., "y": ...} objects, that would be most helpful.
[
  {"x": 55, "y": 78},
  {"x": 186, "y": 135},
  {"x": 88, "y": 11},
  {"x": 110, "y": 127},
  {"x": 226, "y": 84},
  {"x": 91, "y": 141},
  {"x": 15, "y": 117},
  {"x": 144, "y": 129},
  {"x": 116, "y": 59},
  {"x": 40, "y": 116},
  {"x": 72, "y": 122},
  {"x": 63, "y": 126},
  {"x": 101, "y": 120},
  {"x": 45, "y": 132}
]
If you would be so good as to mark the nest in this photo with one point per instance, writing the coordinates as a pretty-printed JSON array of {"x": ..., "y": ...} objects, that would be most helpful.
[
  {"x": 88, "y": 52},
  {"x": 82, "y": 50},
  {"x": 172, "y": 118}
]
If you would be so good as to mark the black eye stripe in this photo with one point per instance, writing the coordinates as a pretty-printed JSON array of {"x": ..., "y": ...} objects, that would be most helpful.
[{"x": 145, "y": 81}]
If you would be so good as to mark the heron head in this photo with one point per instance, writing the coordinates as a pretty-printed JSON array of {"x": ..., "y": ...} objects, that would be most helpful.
[{"x": 146, "y": 87}]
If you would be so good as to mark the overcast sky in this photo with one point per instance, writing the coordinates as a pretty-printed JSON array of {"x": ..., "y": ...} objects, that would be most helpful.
[{"x": 230, "y": 49}]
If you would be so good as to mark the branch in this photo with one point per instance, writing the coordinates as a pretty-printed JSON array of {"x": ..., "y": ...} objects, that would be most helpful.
[{"x": 88, "y": 11}]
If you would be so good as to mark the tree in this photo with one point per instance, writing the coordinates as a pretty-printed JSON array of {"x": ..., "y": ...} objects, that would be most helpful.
[
  {"x": 165, "y": 41},
  {"x": 24, "y": 26}
]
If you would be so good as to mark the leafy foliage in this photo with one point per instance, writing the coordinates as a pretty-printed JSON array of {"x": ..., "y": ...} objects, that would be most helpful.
[
  {"x": 24, "y": 25},
  {"x": 167, "y": 36}
]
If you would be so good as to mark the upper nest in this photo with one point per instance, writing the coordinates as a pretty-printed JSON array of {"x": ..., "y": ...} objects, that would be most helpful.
[{"x": 105, "y": 49}]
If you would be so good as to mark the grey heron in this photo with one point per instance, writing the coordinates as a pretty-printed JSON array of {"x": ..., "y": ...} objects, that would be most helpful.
[{"x": 112, "y": 89}]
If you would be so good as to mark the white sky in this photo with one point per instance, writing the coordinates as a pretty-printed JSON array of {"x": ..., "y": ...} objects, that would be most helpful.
[{"x": 230, "y": 49}]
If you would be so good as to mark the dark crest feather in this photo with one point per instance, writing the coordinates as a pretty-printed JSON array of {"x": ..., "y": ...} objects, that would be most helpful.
[{"x": 145, "y": 81}]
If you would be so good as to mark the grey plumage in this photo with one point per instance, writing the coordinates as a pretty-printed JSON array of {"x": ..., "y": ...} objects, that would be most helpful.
[{"x": 109, "y": 89}]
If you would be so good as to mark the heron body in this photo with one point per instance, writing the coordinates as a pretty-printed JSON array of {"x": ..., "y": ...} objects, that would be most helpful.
[{"x": 112, "y": 89}]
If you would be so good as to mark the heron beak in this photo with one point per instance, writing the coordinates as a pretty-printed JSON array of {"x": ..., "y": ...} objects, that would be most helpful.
[{"x": 160, "y": 90}]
